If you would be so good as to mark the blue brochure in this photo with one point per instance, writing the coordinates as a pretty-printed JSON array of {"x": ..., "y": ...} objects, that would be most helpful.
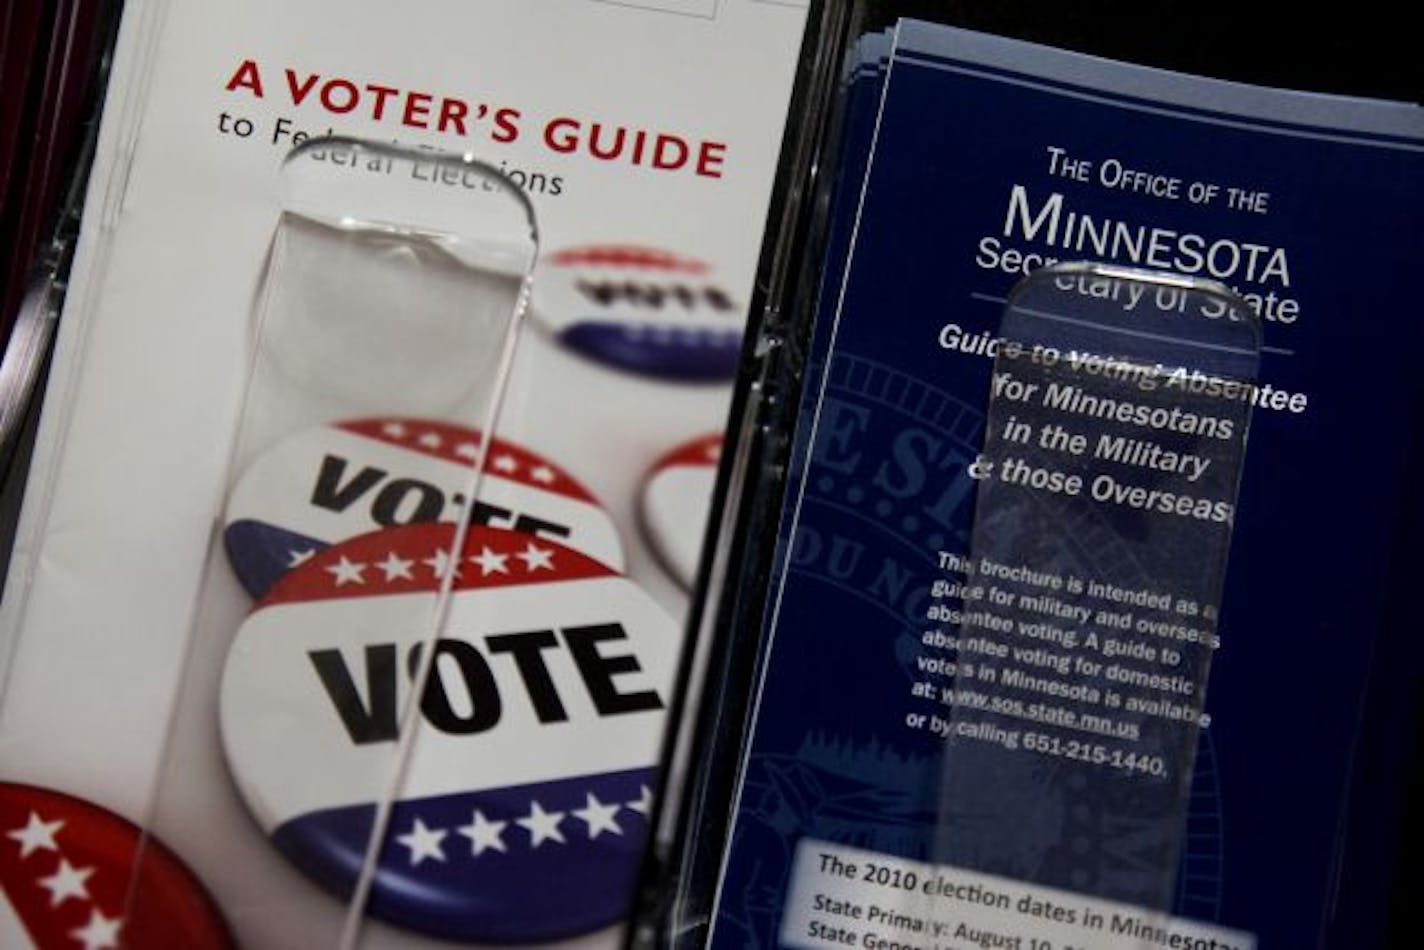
[{"x": 986, "y": 160}]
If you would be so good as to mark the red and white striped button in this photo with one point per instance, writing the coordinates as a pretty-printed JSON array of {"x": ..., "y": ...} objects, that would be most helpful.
[
  {"x": 676, "y": 495},
  {"x": 642, "y": 309},
  {"x": 540, "y": 727},
  {"x": 334, "y": 482},
  {"x": 65, "y": 871}
]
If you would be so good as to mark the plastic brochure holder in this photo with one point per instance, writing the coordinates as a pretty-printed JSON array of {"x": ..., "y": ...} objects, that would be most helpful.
[
  {"x": 1087, "y": 587},
  {"x": 395, "y": 286},
  {"x": 823, "y": 161},
  {"x": 1187, "y": 347},
  {"x": 20, "y": 369},
  {"x": 27, "y": 348},
  {"x": 1014, "y": 775}
]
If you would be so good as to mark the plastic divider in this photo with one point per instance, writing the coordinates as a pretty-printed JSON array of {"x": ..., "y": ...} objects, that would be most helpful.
[{"x": 395, "y": 287}]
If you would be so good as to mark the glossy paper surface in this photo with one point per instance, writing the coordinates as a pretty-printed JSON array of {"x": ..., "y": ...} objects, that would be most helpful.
[{"x": 991, "y": 158}]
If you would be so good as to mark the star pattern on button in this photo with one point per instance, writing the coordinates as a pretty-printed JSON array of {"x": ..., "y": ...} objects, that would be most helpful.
[
  {"x": 536, "y": 558},
  {"x": 542, "y": 825},
  {"x": 36, "y": 835},
  {"x": 67, "y": 882},
  {"x": 423, "y": 842},
  {"x": 490, "y": 562},
  {"x": 643, "y": 803},
  {"x": 101, "y": 933},
  {"x": 507, "y": 558},
  {"x": 462, "y": 444},
  {"x": 627, "y": 255},
  {"x": 484, "y": 835},
  {"x": 546, "y": 826},
  {"x": 346, "y": 571},
  {"x": 416, "y": 558},
  {"x": 664, "y": 335},
  {"x": 598, "y": 816},
  {"x": 36, "y": 839},
  {"x": 439, "y": 564},
  {"x": 395, "y": 566}
]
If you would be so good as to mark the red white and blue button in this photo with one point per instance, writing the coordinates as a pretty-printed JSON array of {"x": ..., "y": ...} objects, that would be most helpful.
[
  {"x": 68, "y": 880},
  {"x": 334, "y": 482},
  {"x": 676, "y": 496},
  {"x": 641, "y": 309},
  {"x": 527, "y": 798}
]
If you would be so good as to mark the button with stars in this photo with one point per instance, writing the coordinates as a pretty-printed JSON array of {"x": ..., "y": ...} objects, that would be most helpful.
[
  {"x": 333, "y": 482},
  {"x": 640, "y": 309},
  {"x": 525, "y": 807},
  {"x": 66, "y": 866},
  {"x": 673, "y": 505}
]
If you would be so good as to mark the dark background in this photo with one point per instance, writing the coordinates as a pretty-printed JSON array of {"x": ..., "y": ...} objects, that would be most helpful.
[
  {"x": 49, "y": 54},
  {"x": 1361, "y": 49},
  {"x": 52, "y": 54}
]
